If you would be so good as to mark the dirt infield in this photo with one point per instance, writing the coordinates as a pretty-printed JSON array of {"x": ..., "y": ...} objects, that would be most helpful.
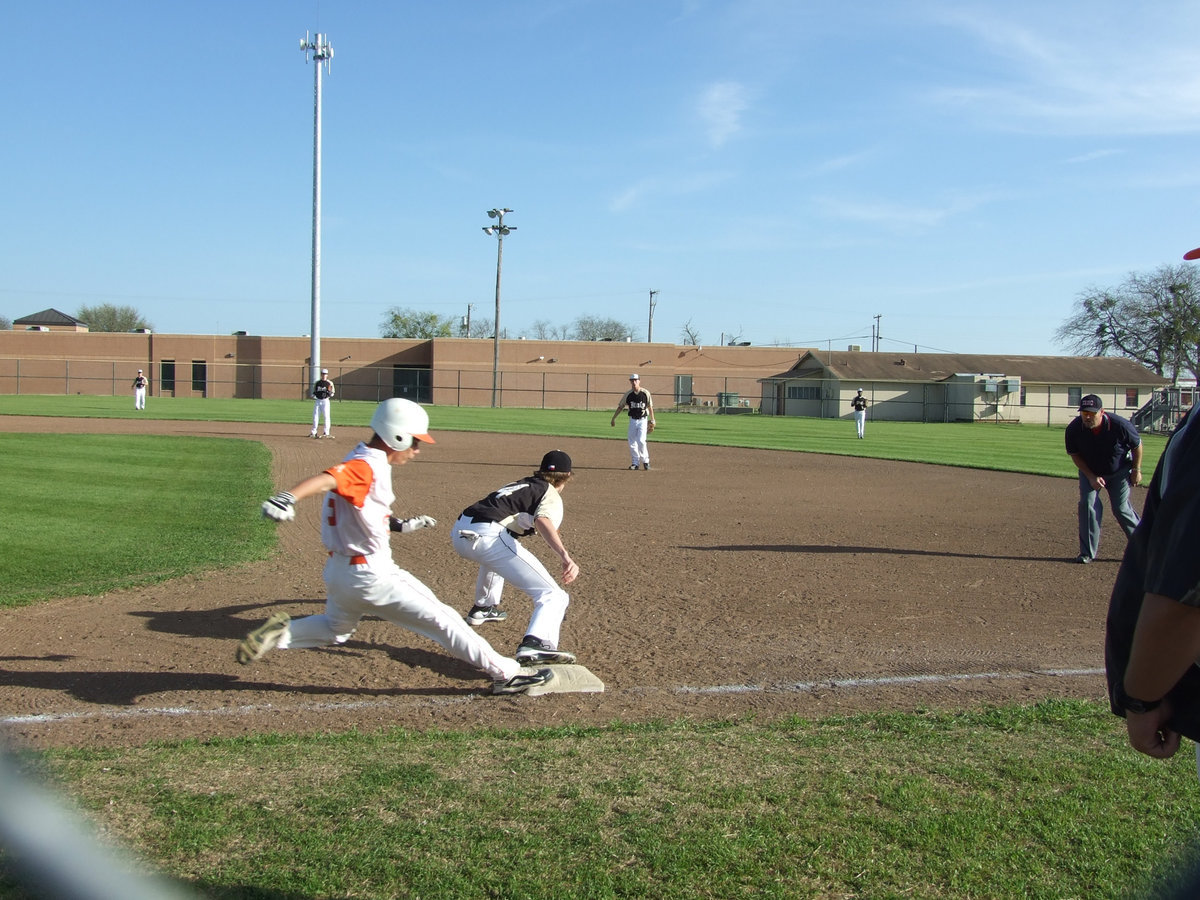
[{"x": 723, "y": 583}]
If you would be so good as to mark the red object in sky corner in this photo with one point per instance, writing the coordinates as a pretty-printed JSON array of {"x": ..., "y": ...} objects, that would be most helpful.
[{"x": 1192, "y": 254}]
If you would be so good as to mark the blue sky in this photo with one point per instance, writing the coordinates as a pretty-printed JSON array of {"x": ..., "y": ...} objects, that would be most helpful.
[{"x": 781, "y": 171}]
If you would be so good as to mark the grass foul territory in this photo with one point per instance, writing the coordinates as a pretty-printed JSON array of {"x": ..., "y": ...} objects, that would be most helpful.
[
  {"x": 1033, "y": 449},
  {"x": 101, "y": 512}
]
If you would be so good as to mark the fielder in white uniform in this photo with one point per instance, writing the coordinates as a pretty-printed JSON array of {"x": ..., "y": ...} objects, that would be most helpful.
[
  {"x": 360, "y": 576},
  {"x": 489, "y": 533},
  {"x": 859, "y": 404},
  {"x": 139, "y": 390},
  {"x": 322, "y": 392},
  {"x": 641, "y": 421}
]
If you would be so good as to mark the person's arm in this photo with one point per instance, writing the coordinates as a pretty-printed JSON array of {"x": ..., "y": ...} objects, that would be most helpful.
[
  {"x": 1095, "y": 481},
  {"x": 332, "y": 390},
  {"x": 650, "y": 407},
  {"x": 620, "y": 406},
  {"x": 544, "y": 527},
  {"x": 1165, "y": 643},
  {"x": 1135, "y": 474}
]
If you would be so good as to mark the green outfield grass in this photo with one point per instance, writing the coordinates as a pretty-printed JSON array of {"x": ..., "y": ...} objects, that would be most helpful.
[
  {"x": 1020, "y": 801},
  {"x": 1035, "y": 449}
]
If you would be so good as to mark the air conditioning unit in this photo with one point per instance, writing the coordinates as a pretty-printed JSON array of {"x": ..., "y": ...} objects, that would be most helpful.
[{"x": 855, "y": 348}]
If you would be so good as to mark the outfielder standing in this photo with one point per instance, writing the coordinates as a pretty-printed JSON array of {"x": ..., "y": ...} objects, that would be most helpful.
[
  {"x": 641, "y": 421},
  {"x": 360, "y": 576},
  {"x": 859, "y": 404},
  {"x": 323, "y": 391},
  {"x": 489, "y": 533},
  {"x": 140, "y": 383}
]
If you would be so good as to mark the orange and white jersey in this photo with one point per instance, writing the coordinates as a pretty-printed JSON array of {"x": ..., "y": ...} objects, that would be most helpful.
[{"x": 355, "y": 517}]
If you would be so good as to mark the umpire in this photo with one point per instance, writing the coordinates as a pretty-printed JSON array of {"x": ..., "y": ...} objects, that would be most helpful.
[{"x": 1108, "y": 453}]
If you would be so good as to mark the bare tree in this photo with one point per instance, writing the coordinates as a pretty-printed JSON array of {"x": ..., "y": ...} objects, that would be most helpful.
[
  {"x": 593, "y": 328},
  {"x": 481, "y": 328},
  {"x": 689, "y": 335},
  {"x": 1153, "y": 318},
  {"x": 107, "y": 317},
  {"x": 5, "y": 323},
  {"x": 542, "y": 330}
]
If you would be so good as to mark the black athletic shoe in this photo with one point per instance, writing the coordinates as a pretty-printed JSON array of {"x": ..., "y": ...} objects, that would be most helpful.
[
  {"x": 534, "y": 651},
  {"x": 480, "y": 614},
  {"x": 633, "y": 468},
  {"x": 522, "y": 681}
]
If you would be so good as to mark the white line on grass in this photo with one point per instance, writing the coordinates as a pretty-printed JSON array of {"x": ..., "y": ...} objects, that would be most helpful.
[{"x": 794, "y": 687}]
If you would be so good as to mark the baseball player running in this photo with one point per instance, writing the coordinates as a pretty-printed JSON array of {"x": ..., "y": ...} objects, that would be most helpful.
[
  {"x": 322, "y": 392},
  {"x": 641, "y": 421},
  {"x": 360, "y": 576},
  {"x": 489, "y": 533}
]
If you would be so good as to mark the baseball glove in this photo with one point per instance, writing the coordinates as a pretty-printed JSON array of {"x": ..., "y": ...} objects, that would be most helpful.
[{"x": 650, "y": 427}]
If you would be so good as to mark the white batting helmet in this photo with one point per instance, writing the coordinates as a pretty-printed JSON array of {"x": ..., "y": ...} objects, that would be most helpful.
[{"x": 399, "y": 421}]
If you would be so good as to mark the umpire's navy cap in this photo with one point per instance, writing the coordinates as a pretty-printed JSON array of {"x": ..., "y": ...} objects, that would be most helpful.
[{"x": 1091, "y": 402}]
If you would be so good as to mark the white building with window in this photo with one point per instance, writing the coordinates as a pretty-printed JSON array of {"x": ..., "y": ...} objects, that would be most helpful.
[{"x": 947, "y": 387}]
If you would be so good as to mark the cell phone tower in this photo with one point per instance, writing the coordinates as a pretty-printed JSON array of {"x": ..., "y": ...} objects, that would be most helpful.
[{"x": 322, "y": 52}]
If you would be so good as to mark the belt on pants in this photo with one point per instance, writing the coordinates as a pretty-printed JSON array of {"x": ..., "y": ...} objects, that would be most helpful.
[{"x": 358, "y": 560}]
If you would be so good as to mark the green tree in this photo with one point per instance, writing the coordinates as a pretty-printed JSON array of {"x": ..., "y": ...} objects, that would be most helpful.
[
  {"x": 414, "y": 324},
  {"x": 1153, "y": 318},
  {"x": 107, "y": 317}
]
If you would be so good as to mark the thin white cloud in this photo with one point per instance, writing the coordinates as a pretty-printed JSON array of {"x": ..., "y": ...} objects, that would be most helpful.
[
  {"x": 720, "y": 108},
  {"x": 898, "y": 216},
  {"x": 1092, "y": 156},
  {"x": 1112, "y": 71},
  {"x": 647, "y": 188}
]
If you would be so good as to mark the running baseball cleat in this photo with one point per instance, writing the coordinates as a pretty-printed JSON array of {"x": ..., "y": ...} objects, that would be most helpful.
[
  {"x": 522, "y": 681},
  {"x": 263, "y": 638},
  {"x": 646, "y": 467},
  {"x": 633, "y": 468},
  {"x": 480, "y": 614},
  {"x": 536, "y": 651}
]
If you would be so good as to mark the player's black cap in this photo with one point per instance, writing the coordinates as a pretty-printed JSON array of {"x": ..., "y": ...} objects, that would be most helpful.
[
  {"x": 1091, "y": 402},
  {"x": 556, "y": 461}
]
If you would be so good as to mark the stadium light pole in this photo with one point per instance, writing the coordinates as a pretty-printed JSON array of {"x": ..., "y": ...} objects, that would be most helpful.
[
  {"x": 499, "y": 230},
  {"x": 322, "y": 53},
  {"x": 650, "y": 323}
]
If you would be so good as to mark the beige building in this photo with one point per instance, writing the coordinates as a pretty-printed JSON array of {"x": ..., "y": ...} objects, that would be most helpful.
[{"x": 946, "y": 387}]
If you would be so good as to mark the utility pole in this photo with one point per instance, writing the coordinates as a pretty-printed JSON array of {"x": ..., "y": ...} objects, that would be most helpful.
[
  {"x": 875, "y": 340},
  {"x": 499, "y": 230},
  {"x": 322, "y": 53},
  {"x": 467, "y": 321},
  {"x": 650, "y": 325}
]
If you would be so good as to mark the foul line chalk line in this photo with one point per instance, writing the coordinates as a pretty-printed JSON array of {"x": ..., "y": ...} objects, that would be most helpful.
[{"x": 798, "y": 687}]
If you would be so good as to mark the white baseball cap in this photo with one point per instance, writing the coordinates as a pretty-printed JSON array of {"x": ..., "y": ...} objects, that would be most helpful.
[
  {"x": 634, "y": 377},
  {"x": 324, "y": 371},
  {"x": 139, "y": 371}
]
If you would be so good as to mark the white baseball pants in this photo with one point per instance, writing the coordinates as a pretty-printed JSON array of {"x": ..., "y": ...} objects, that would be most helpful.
[
  {"x": 139, "y": 398},
  {"x": 502, "y": 559},
  {"x": 639, "y": 452},
  {"x": 378, "y": 587},
  {"x": 321, "y": 408}
]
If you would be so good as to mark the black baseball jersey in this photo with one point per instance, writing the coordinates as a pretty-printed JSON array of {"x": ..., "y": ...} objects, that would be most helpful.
[
  {"x": 323, "y": 389},
  {"x": 638, "y": 403},
  {"x": 859, "y": 403},
  {"x": 502, "y": 506},
  {"x": 140, "y": 381},
  {"x": 1161, "y": 558}
]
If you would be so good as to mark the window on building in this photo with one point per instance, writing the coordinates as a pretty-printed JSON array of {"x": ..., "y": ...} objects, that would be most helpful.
[
  {"x": 1131, "y": 398},
  {"x": 1022, "y": 395},
  {"x": 803, "y": 392},
  {"x": 1074, "y": 395},
  {"x": 199, "y": 376},
  {"x": 166, "y": 375}
]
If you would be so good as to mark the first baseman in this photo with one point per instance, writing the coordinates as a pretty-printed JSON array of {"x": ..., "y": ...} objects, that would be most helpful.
[
  {"x": 323, "y": 391},
  {"x": 361, "y": 578},
  {"x": 489, "y": 532},
  {"x": 641, "y": 421}
]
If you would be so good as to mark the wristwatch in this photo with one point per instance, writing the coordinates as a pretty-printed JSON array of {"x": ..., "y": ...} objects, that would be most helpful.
[{"x": 1134, "y": 705}]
